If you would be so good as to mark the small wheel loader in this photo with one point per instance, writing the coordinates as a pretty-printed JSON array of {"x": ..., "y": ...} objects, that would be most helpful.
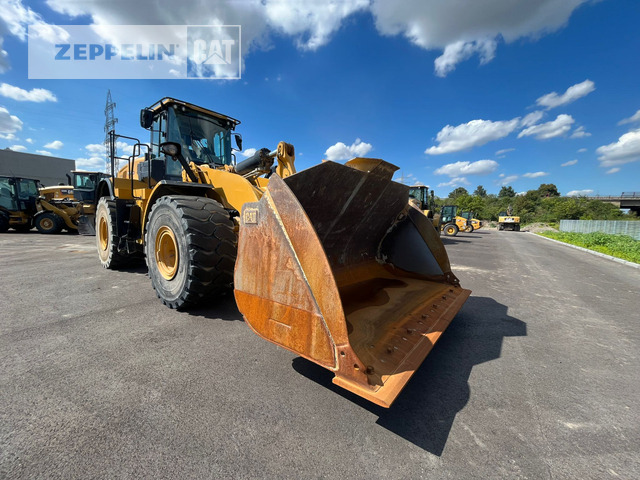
[
  {"x": 18, "y": 203},
  {"x": 472, "y": 223},
  {"x": 331, "y": 262},
  {"x": 446, "y": 221}
]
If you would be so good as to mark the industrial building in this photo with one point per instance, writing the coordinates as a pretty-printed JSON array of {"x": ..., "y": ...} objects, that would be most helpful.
[{"x": 49, "y": 170}]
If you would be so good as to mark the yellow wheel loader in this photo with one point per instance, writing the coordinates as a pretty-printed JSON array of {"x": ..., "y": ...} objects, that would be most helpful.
[
  {"x": 472, "y": 223},
  {"x": 18, "y": 203},
  {"x": 85, "y": 185},
  {"x": 331, "y": 263},
  {"x": 446, "y": 221}
]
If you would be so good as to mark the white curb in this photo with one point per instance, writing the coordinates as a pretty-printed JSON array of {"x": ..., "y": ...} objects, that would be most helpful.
[{"x": 592, "y": 252}]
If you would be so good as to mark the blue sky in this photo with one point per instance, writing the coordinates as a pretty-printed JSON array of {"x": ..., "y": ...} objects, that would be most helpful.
[{"x": 453, "y": 96}]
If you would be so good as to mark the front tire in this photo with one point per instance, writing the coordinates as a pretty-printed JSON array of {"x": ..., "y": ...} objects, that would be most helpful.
[
  {"x": 469, "y": 229},
  {"x": 191, "y": 250},
  {"x": 451, "y": 230},
  {"x": 106, "y": 238},
  {"x": 48, "y": 223}
]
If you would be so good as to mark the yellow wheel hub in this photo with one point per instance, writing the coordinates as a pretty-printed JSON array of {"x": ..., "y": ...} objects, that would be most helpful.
[
  {"x": 46, "y": 223},
  {"x": 103, "y": 232},
  {"x": 166, "y": 252}
]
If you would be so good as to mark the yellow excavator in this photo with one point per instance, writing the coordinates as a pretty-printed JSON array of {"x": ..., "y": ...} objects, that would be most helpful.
[
  {"x": 331, "y": 262},
  {"x": 508, "y": 221}
]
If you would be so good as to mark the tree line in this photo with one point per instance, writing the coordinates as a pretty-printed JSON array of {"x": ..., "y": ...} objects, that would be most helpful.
[{"x": 541, "y": 205}]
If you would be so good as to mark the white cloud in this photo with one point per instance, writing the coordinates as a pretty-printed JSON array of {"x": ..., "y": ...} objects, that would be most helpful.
[
  {"x": 340, "y": 151},
  {"x": 29, "y": 140},
  {"x": 9, "y": 136},
  {"x": 632, "y": 119},
  {"x": 18, "y": 148},
  {"x": 555, "y": 128},
  {"x": 625, "y": 150},
  {"x": 461, "y": 50},
  {"x": 582, "y": 150},
  {"x": 21, "y": 95},
  {"x": 9, "y": 123},
  {"x": 504, "y": 150},
  {"x": 471, "y": 134},
  {"x": 612, "y": 170},
  {"x": 573, "y": 93},
  {"x": 95, "y": 148},
  {"x": 435, "y": 24},
  {"x": 15, "y": 19},
  {"x": 455, "y": 182},
  {"x": 248, "y": 152},
  {"x": 98, "y": 149},
  {"x": 580, "y": 132},
  {"x": 90, "y": 164},
  {"x": 579, "y": 193},
  {"x": 44, "y": 152},
  {"x": 535, "y": 174},
  {"x": 474, "y": 29},
  {"x": 459, "y": 169},
  {"x": 532, "y": 118},
  {"x": 569, "y": 163},
  {"x": 55, "y": 145},
  {"x": 507, "y": 180}
]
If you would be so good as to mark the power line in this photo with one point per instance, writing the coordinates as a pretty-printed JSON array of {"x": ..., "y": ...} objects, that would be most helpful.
[{"x": 109, "y": 124}]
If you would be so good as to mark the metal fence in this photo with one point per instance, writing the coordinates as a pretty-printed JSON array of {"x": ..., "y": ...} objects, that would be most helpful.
[{"x": 606, "y": 226}]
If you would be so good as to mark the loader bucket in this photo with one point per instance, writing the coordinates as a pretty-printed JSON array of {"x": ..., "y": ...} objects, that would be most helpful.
[{"x": 336, "y": 266}]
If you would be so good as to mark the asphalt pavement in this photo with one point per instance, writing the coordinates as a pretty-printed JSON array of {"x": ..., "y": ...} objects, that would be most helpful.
[{"x": 536, "y": 377}]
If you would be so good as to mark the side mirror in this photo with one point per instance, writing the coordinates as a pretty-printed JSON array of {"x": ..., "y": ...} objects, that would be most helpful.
[
  {"x": 146, "y": 118},
  {"x": 171, "y": 149},
  {"x": 238, "y": 138}
]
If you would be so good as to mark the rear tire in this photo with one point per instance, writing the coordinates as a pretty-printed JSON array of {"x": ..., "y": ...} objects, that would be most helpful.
[
  {"x": 469, "y": 229},
  {"x": 4, "y": 222},
  {"x": 48, "y": 223},
  {"x": 191, "y": 249},
  {"x": 106, "y": 238},
  {"x": 451, "y": 230}
]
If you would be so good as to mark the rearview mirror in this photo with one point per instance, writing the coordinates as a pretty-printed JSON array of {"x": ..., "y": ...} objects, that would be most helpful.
[
  {"x": 238, "y": 138},
  {"x": 146, "y": 118},
  {"x": 171, "y": 149}
]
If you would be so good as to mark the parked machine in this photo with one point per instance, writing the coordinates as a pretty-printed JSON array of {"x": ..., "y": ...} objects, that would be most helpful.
[
  {"x": 472, "y": 223},
  {"x": 446, "y": 221},
  {"x": 85, "y": 188},
  {"x": 331, "y": 263},
  {"x": 508, "y": 221},
  {"x": 18, "y": 203},
  {"x": 25, "y": 204}
]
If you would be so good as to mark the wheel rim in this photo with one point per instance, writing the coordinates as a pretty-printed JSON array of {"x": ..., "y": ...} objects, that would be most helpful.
[
  {"x": 166, "y": 253},
  {"x": 103, "y": 233},
  {"x": 449, "y": 230},
  {"x": 46, "y": 223}
]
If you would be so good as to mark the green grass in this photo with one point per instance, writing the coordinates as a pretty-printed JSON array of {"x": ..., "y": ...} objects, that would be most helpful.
[{"x": 621, "y": 246}]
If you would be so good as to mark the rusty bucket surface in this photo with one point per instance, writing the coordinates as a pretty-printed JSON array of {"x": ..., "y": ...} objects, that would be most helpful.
[{"x": 334, "y": 265}]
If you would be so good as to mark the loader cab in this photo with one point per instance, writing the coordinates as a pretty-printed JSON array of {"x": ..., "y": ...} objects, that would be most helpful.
[
  {"x": 85, "y": 185},
  {"x": 420, "y": 194},
  {"x": 18, "y": 194},
  {"x": 18, "y": 203},
  {"x": 204, "y": 136},
  {"x": 448, "y": 214}
]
